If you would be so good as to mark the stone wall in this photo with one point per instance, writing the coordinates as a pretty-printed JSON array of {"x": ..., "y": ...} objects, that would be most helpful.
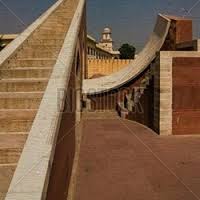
[
  {"x": 176, "y": 93},
  {"x": 100, "y": 67},
  {"x": 186, "y": 97},
  {"x": 66, "y": 147},
  {"x": 180, "y": 31},
  {"x": 64, "y": 150},
  {"x": 109, "y": 100},
  {"x": 163, "y": 95},
  {"x": 124, "y": 100},
  {"x": 170, "y": 102}
]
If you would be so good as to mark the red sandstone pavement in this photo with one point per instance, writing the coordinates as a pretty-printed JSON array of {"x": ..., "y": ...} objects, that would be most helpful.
[{"x": 122, "y": 160}]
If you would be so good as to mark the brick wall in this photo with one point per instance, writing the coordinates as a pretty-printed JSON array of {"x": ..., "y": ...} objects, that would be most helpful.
[{"x": 100, "y": 67}]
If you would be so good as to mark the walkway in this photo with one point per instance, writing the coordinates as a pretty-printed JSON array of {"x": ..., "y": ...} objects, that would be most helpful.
[{"x": 122, "y": 160}]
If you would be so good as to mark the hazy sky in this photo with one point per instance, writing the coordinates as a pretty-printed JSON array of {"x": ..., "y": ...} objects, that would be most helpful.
[{"x": 131, "y": 20}]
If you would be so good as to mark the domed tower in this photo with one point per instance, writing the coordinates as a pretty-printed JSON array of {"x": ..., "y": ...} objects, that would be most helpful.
[{"x": 106, "y": 41}]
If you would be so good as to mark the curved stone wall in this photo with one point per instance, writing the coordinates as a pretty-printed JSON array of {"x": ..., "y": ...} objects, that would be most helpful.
[{"x": 143, "y": 60}]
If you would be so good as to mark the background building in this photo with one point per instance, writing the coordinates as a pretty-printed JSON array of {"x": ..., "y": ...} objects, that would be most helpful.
[{"x": 104, "y": 49}]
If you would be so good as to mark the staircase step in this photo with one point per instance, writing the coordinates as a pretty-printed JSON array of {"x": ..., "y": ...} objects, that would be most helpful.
[
  {"x": 23, "y": 72},
  {"x": 11, "y": 146},
  {"x": 45, "y": 41},
  {"x": 48, "y": 36},
  {"x": 50, "y": 28},
  {"x": 100, "y": 115},
  {"x": 20, "y": 100},
  {"x": 16, "y": 120},
  {"x": 29, "y": 63},
  {"x": 55, "y": 24},
  {"x": 6, "y": 174},
  {"x": 38, "y": 54},
  {"x": 42, "y": 47},
  {"x": 23, "y": 85},
  {"x": 17, "y": 114},
  {"x": 58, "y": 19},
  {"x": 63, "y": 15},
  {"x": 14, "y": 133},
  {"x": 10, "y": 125},
  {"x": 51, "y": 31}
]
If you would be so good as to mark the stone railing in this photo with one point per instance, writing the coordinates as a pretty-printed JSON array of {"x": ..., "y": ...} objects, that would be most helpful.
[{"x": 32, "y": 175}]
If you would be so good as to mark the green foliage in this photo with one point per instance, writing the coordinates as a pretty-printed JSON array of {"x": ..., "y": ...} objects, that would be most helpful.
[{"x": 127, "y": 51}]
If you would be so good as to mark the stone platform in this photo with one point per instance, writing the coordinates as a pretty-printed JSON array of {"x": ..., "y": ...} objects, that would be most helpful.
[{"x": 122, "y": 160}]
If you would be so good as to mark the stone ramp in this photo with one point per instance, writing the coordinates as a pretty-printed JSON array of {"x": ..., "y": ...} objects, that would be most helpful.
[
  {"x": 24, "y": 76},
  {"x": 120, "y": 159},
  {"x": 136, "y": 67}
]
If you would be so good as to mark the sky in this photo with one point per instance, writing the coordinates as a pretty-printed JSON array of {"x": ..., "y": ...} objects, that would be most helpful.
[{"x": 131, "y": 21}]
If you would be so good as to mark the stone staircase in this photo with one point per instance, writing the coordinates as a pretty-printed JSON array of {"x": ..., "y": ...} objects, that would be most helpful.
[
  {"x": 23, "y": 80},
  {"x": 94, "y": 115}
]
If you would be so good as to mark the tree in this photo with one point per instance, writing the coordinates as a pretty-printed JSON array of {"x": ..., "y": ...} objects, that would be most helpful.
[{"x": 127, "y": 51}]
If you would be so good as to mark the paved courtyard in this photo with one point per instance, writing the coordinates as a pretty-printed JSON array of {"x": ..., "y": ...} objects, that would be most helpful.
[{"x": 122, "y": 160}]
